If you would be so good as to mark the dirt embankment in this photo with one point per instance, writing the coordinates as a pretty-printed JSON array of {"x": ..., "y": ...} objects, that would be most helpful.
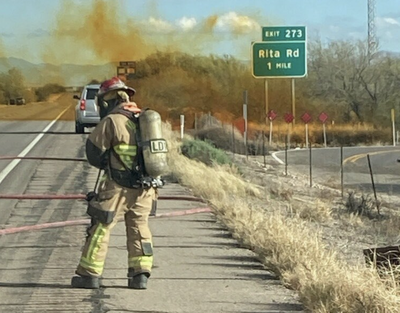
[{"x": 47, "y": 110}]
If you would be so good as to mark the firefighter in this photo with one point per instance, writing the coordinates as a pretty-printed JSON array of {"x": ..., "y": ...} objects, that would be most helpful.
[{"x": 122, "y": 194}]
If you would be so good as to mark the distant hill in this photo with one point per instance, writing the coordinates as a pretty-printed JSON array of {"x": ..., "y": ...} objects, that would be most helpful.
[{"x": 65, "y": 74}]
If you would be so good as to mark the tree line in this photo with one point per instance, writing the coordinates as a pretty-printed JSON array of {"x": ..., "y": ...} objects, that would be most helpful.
[
  {"x": 12, "y": 85},
  {"x": 343, "y": 81}
]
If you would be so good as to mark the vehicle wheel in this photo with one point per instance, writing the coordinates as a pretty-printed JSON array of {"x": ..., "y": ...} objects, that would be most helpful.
[{"x": 79, "y": 129}]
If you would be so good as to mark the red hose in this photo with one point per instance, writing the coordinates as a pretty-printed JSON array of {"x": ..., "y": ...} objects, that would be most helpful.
[
  {"x": 13, "y": 230},
  {"x": 20, "y": 229},
  {"x": 185, "y": 212},
  {"x": 82, "y": 197},
  {"x": 43, "y": 197},
  {"x": 41, "y": 158}
]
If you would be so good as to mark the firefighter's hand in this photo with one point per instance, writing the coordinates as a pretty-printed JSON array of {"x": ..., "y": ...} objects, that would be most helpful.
[{"x": 90, "y": 195}]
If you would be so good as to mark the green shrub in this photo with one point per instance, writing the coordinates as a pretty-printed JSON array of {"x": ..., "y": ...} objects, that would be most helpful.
[
  {"x": 204, "y": 152},
  {"x": 361, "y": 206},
  {"x": 42, "y": 93}
]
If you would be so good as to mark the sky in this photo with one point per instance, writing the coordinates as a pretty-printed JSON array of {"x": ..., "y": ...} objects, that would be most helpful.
[{"x": 101, "y": 31}]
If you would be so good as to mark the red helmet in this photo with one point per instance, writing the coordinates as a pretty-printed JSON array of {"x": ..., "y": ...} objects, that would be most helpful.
[{"x": 115, "y": 84}]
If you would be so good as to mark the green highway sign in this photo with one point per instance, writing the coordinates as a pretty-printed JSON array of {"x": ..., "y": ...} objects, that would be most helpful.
[
  {"x": 282, "y": 53},
  {"x": 283, "y": 33},
  {"x": 279, "y": 59}
]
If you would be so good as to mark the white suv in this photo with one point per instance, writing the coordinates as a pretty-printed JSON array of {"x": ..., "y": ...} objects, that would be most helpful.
[{"x": 86, "y": 111}]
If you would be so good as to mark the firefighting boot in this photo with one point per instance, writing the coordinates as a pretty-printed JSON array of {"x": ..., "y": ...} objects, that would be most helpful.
[
  {"x": 138, "y": 281},
  {"x": 87, "y": 282}
]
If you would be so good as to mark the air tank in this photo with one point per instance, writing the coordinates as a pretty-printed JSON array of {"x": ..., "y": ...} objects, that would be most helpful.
[{"x": 154, "y": 145}]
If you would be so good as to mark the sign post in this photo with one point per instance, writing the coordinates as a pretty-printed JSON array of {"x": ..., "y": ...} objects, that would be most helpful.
[
  {"x": 306, "y": 119},
  {"x": 271, "y": 116},
  {"x": 245, "y": 119},
  {"x": 182, "y": 120},
  {"x": 393, "y": 127},
  {"x": 288, "y": 119},
  {"x": 323, "y": 117}
]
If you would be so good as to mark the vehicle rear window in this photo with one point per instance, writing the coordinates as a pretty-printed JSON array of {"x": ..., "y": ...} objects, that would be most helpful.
[{"x": 91, "y": 93}]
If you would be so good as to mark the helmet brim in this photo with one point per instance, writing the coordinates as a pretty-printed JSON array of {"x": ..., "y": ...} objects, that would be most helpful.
[{"x": 130, "y": 91}]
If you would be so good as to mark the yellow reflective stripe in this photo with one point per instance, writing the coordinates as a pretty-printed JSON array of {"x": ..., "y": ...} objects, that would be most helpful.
[
  {"x": 92, "y": 266},
  {"x": 96, "y": 241},
  {"x": 127, "y": 153},
  {"x": 89, "y": 261},
  {"x": 125, "y": 149},
  {"x": 140, "y": 262}
]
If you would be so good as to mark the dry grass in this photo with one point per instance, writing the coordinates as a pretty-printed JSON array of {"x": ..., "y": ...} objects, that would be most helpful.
[{"x": 286, "y": 238}]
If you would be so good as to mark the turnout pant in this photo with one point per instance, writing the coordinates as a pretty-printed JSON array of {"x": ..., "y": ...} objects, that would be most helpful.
[{"x": 131, "y": 205}]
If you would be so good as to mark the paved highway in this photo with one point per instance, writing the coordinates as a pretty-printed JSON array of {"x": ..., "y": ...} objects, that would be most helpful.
[
  {"x": 326, "y": 168},
  {"x": 199, "y": 267},
  {"x": 24, "y": 282}
]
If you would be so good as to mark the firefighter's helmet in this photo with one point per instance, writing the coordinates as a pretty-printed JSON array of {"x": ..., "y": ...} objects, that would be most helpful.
[
  {"x": 112, "y": 92},
  {"x": 115, "y": 84}
]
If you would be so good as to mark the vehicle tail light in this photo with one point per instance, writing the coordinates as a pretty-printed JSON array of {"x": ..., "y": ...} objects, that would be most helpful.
[{"x": 82, "y": 107}]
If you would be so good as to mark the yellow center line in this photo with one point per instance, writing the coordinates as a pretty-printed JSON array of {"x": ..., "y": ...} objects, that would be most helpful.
[
  {"x": 62, "y": 113},
  {"x": 355, "y": 158}
]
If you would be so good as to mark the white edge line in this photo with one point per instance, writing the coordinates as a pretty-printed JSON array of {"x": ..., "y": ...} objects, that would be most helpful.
[
  {"x": 14, "y": 163},
  {"x": 278, "y": 159},
  {"x": 273, "y": 156}
]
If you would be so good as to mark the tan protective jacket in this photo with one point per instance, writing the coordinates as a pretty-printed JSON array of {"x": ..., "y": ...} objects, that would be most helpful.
[{"x": 113, "y": 146}]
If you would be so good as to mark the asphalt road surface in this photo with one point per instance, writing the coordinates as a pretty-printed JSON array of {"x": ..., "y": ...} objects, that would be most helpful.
[
  {"x": 24, "y": 256},
  {"x": 324, "y": 167},
  {"x": 198, "y": 266}
]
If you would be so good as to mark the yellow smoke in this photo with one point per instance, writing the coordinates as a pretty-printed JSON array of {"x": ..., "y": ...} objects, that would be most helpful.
[
  {"x": 99, "y": 31},
  {"x": 3, "y": 52}
]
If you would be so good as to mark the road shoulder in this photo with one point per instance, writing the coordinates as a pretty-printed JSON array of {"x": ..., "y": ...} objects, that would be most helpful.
[{"x": 198, "y": 267}]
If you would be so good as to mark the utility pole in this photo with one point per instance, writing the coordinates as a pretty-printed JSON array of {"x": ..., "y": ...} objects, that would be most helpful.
[{"x": 372, "y": 43}]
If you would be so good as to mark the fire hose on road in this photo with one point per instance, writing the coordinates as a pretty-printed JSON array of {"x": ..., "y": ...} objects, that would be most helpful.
[
  {"x": 81, "y": 197},
  {"x": 13, "y": 230},
  {"x": 42, "y": 158}
]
